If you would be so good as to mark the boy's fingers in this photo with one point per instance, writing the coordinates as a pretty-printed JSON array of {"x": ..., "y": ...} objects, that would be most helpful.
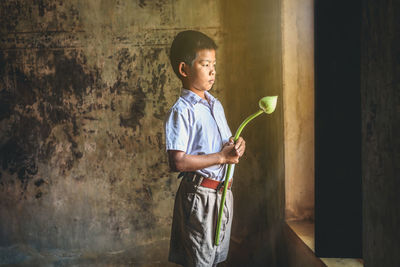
[
  {"x": 239, "y": 143},
  {"x": 241, "y": 148},
  {"x": 229, "y": 144},
  {"x": 231, "y": 140}
]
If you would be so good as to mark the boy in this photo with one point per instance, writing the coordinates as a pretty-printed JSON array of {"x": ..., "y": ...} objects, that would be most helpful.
[{"x": 199, "y": 145}]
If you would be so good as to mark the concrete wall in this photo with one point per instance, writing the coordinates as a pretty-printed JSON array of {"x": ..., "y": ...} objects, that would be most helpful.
[
  {"x": 298, "y": 104},
  {"x": 380, "y": 96},
  {"x": 84, "y": 88}
]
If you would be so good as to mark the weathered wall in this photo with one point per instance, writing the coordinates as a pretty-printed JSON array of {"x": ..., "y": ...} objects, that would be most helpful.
[
  {"x": 252, "y": 64},
  {"x": 380, "y": 95},
  {"x": 298, "y": 104},
  {"x": 84, "y": 89}
]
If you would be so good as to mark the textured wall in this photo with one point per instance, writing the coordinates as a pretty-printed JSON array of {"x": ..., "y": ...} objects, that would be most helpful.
[
  {"x": 298, "y": 92},
  {"x": 380, "y": 94},
  {"x": 84, "y": 89}
]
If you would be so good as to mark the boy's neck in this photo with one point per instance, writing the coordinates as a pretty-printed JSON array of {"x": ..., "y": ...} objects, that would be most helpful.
[{"x": 199, "y": 93}]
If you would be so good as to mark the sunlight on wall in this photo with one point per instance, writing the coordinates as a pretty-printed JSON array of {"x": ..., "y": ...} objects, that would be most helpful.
[{"x": 298, "y": 101}]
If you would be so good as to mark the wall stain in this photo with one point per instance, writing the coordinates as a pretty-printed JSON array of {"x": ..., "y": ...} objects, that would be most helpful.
[
  {"x": 70, "y": 78},
  {"x": 41, "y": 8},
  {"x": 9, "y": 20},
  {"x": 16, "y": 90},
  {"x": 39, "y": 182},
  {"x": 142, "y": 3},
  {"x": 66, "y": 126},
  {"x": 136, "y": 111},
  {"x": 39, "y": 195},
  {"x": 144, "y": 218},
  {"x": 126, "y": 73},
  {"x": 20, "y": 151}
]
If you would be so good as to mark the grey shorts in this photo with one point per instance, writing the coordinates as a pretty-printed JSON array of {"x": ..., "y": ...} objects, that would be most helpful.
[{"x": 194, "y": 223}]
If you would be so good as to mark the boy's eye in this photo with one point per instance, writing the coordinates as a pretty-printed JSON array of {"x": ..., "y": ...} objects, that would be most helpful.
[{"x": 208, "y": 65}]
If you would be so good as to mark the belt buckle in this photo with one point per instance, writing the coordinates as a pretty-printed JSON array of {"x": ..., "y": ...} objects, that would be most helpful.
[
  {"x": 220, "y": 186},
  {"x": 198, "y": 179}
]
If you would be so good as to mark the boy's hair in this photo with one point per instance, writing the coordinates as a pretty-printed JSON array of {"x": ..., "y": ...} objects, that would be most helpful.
[{"x": 185, "y": 46}]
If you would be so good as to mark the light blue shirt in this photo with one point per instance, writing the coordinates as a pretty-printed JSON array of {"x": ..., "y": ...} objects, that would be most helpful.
[{"x": 198, "y": 127}]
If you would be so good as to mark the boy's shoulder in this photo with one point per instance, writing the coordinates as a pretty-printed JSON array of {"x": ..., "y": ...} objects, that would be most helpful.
[
  {"x": 180, "y": 105},
  {"x": 186, "y": 104}
]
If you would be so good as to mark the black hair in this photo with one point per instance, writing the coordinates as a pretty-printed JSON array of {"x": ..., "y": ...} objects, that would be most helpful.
[{"x": 185, "y": 46}]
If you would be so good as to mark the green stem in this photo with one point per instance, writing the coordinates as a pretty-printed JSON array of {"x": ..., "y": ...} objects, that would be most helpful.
[
  {"x": 228, "y": 174},
  {"x": 244, "y": 123}
]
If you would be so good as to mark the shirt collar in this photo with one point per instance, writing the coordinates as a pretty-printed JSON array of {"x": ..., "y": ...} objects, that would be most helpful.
[
  {"x": 210, "y": 97},
  {"x": 194, "y": 98}
]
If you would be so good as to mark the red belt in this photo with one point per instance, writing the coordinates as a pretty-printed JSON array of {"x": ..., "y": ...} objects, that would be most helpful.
[
  {"x": 205, "y": 182},
  {"x": 213, "y": 184}
]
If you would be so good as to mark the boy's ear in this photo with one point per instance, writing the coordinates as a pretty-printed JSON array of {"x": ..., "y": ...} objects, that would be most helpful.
[{"x": 182, "y": 69}]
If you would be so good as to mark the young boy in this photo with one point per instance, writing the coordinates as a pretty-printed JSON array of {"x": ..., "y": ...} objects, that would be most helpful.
[{"x": 199, "y": 145}]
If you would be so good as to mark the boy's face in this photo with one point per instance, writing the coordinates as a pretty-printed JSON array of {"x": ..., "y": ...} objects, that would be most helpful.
[{"x": 200, "y": 77}]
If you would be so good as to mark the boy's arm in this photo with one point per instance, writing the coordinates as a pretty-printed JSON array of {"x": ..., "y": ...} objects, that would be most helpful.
[{"x": 179, "y": 161}]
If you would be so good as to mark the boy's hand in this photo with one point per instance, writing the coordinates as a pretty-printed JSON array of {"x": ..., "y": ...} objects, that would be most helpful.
[
  {"x": 240, "y": 145},
  {"x": 231, "y": 152}
]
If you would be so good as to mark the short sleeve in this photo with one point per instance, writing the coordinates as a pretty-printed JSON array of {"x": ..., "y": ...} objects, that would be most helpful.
[{"x": 177, "y": 130}]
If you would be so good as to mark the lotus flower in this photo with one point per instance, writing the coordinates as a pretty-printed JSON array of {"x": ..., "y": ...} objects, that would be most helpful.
[{"x": 268, "y": 104}]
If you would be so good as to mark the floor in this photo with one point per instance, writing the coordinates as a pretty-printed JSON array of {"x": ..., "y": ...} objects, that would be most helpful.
[{"x": 23, "y": 255}]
